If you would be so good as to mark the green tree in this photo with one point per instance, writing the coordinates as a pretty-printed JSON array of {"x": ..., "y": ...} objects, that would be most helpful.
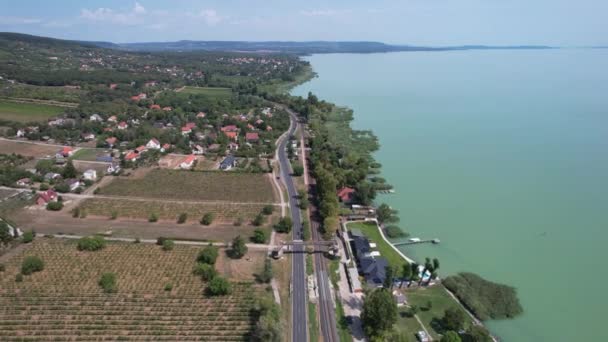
[
  {"x": 267, "y": 272},
  {"x": 207, "y": 219},
  {"x": 450, "y": 336},
  {"x": 31, "y": 264},
  {"x": 284, "y": 225},
  {"x": 267, "y": 209},
  {"x": 69, "y": 171},
  {"x": 379, "y": 312},
  {"x": 477, "y": 333},
  {"x": 386, "y": 214},
  {"x": 206, "y": 271},
  {"x": 219, "y": 286},
  {"x": 303, "y": 196},
  {"x": 453, "y": 319},
  {"x": 54, "y": 206},
  {"x": 5, "y": 233},
  {"x": 298, "y": 170},
  {"x": 168, "y": 245},
  {"x": 258, "y": 220},
  {"x": 108, "y": 283},
  {"x": 406, "y": 273},
  {"x": 182, "y": 218},
  {"x": 91, "y": 243},
  {"x": 153, "y": 217},
  {"x": 208, "y": 255},
  {"x": 259, "y": 236},
  {"x": 388, "y": 280},
  {"x": 239, "y": 248},
  {"x": 269, "y": 325},
  {"x": 28, "y": 236}
]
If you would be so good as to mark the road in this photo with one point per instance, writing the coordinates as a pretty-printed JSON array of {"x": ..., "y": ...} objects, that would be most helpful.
[
  {"x": 299, "y": 289},
  {"x": 326, "y": 306}
]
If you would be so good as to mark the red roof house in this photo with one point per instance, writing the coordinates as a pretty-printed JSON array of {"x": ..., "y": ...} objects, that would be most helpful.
[
  {"x": 111, "y": 141},
  {"x": 230, "y": 128},
  {"x": 122, "y": 125},
  {"x": 252, "y": 137},
  {"x": 140, "y": 149},
  {"x": 167, "y": 109},
  {"x": 201, "y": 115},
  {"x": 155, "y": 107},
  {"x": 131, "y": 156},
  {"x": 46, "y": 196},
  {"x": 346, "y": 194},
  {"x": 187, "y": 162},
  {"x": 66, "y": 151},
  {"x": 231, "y": 135}
]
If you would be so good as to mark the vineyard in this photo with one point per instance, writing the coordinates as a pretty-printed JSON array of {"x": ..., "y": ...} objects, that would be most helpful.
[{"x": 64, "y": 301}]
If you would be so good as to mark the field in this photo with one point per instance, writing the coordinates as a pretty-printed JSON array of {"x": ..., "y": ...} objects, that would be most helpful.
[
  {"x": 28, "y": 149},
  {"x": 224, "y": 212},
  {"x": 88, "y": 154},
  {"x": 194, "y": 186},
  {"x": 27, "y": 112},
  {"x": 370, "y": 229},
  {"x": 208, "y": 91},
  {"x": 64, "y": 301}
]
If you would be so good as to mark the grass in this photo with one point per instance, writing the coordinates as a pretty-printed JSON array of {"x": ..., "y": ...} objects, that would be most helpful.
[
  {"x": 87, "y": 154},
  {"x": 370, "y": 229},
  {"x": 309, "y": 267},
  {"x": 65, "y": 302},
  {"x": 208, "y": 91},
  {"x": 27, "y": 112},
  {"x": 342, "y": 325},
  {"x": 440, "y": 301},
  {"x": 27, "y": 148},
  {"x": 334, "y": 274},
  {"x": 406, "y": 324},
  {"x": 193, "y": 186},
  {"x": 313, "y": 325}
]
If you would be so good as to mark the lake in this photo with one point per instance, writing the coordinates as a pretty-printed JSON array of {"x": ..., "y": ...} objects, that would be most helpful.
[{"x": 503, "y": 155}]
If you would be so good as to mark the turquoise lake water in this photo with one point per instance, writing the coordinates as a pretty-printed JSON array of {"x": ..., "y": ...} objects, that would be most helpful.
[{"x": 503, "y": 155}]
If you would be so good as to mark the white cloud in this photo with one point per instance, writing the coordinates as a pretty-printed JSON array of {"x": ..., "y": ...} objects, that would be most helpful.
[
  {"x": 18, "y": 21},
  {"x": 109, "y": 15},
  {"x": 210, "y": 16},
  {"x": 139, "y": 9},
  {"x": 319, "y": 13}
]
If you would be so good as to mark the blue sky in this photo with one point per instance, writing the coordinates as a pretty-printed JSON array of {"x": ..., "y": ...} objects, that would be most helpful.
[{"x": 416, "y": 22}]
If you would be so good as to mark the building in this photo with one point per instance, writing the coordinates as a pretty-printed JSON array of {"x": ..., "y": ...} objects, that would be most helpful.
[
  {"x": 346, "y": 194},
  {"x": 198, "y": 149},
  {"x": 113, "y": 168},
  {"x": 165, "y": 147},
  {"x": 186, "y": 130},
  {"x": 87, "y": 136},
  {"x": 24, "y": 182},
  {"x": 230, "y": 128},
  {"x": 132, "y": 156},
  {"x": 373, "y": 270},
  {"x": 111, "y": 141},
  {"x": 252, "y": 137},
  {"x": 112, "y": 118},
  {"x": 66, "y": 152},
  {"x": 73, "y": 184},
  {"x": 153, "y": 144},
  {"x": 49, "y": 176},
  {"x": 155, "y": 107},
  {"x": 231, "y": 135},
  {"x": 201, "y": 115},
  {"x": 95, "y": 117},
  {"x": 122, "y": 125},
  {"x": 45, "y": 197},
  {"x": 90, "y": 175},
  {"x": 228, "y": 163},
  {"x": 188, "y": 162}
]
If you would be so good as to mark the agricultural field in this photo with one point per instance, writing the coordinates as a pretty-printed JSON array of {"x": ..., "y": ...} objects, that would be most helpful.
[
  {"x": 28, "y": 149},
  {"x": 137, "y": 209},
  {"x": 27, "y": 112},
  {"x": 194, "y": 186},
  {"x": 64, "y": 301},
  {"x": 208, "y": 91},
  {"x": 89, "y": 154}
]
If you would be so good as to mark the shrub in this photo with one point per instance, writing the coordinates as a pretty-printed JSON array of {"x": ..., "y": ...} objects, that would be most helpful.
[
  {"x": 267, "y": 210},
  {"x": 168, "y": 245},
  {"x": 284, "y": 225},
  {"x": 206, "y": 271},
  {"x": 6, "y": 235},
  {"x": 114, "y": 215},
  {"x": 259, "y": 236},
  {"x": 208, "y": 255},
  {"x": 207, "y": 219},
  {"x": 267, "y": 273},
  {"x": 31, "y": 264},
  {"x": 108, "y": 282},
  {"x": 91, "y": 243},
  {"x": 19, "y": 277},
  {"x": 137, "y": 240},
  {"x": 168, "y": 287},
  {"x": 54, "y": 206},
  {"x": 394, "y": 232},
  {"x": 182, "y": 218},
  {"x": 298, "y": 170},
  {"x": 258, "y": 220},
  {"x": 2, "y": 268},
  {"x": 43, "y": 187},
  {"x": 239, "y": 248},
  {"x": 96, "y": 191},
  {"x": 28, "y": 236},
  {"x": 239, "y": 221},
  {"x": 62, "y": 188},
  {"x": 153, "y": 217},
  {"x": 160, "y": 240},
  {"x": 219, "y": 286}
]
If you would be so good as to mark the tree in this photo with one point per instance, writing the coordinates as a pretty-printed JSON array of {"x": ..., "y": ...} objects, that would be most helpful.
[
  {"x": 207, "y": 219},
  {"x": 406, "y": 273},
  {"x": 206, "y": 271},
  {"x": 284, "y": 225},
  {"x": 259, "y": 236},
  {"x": 303, "y": 196},
  {"x": 153, "y": 217},
  {"x": 267, "y": 273},
  {"x": 54, "y": 206},
  {"x": 208, "y": 255},
  {"x": 69, "y": 171},
  {"x": 219, "y": 286},
  {"x": 168, "y": 245},
  {"x": 298, "y": 170},
  {"x": 182, "y": 218},
  {"x": 5, "y": 233},
  {"x": 91, "y": 243},
  {"x": 453, "y": 319},
  {"x": 394, "y": 232},
  {"x": 258, "y": 220},
  {"x": 379, "y": 312},
  {"x": 239, "y": 248},
  {"x": 31, "y": 264},
  {"x": 386, "y": 214},
  {"x": 28, "y": 236},
  {"x": 268, "y": 327},
  {"x": 388, "y": 279},
  {"x": 365, "y": 193},
  {"x": 451, "y": 336},
  {"x": 415, "y": 274},
  {"x": 477, "y": 333},
  {"x": 108, "y": 283},
  {"x": 267, "y": 209},
  {"x": 62, "y": 188}
]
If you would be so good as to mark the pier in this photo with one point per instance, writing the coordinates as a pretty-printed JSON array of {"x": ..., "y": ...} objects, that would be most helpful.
[{"x": 416, "y": 241}]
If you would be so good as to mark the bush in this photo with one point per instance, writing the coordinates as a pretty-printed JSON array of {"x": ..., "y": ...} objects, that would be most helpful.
[
  {"x": 303, "y": 195},
  {"x": 207, "y": 219},
  {"x": 168, "y": 287},
  {"x": 208, "y": 255},
  {"x": 298, "y": 170},
  {"x": 258, "y": 220},
  {"x": 108, "y": 282},
  {"x": 284, "y": 225},
  {"x": 54, "y": 206},
  {"x": 91, "y": 243},
  {"x": 168, "y": 245},
  {"x": 486, "y": 299},
  {"x": 182, "y": 218},
  {"x": 259, "y": 236},
  {"x": 153, "y": 217},
  {"x": 31, "y": 264},
  {"x": 114, "y": 215},
  {"x": 219, "y": 286},
  {"x": 239, "y": 248},
  {"x": 28, "y": 236},
  {"x": 160, "y": 240},
  {"x": 206, "y": 271},
  {"x": 62, "y": 188},
  {"x": 267, "y": 273},
  {"x": 2, "y": 268},
  {"x": 19, "y": 277},
  {"x": 268, "y": 209},
  {"x": 43, "y": 187},
  {"x": 394, "y": 232}
]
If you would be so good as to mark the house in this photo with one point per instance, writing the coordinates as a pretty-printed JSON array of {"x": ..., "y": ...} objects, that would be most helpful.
[
  {"x": 141, "y": 96},
  {"x": 112, "y": 118},
  {"x": 73, "y": 184},
  {"x": 233, "y": 146},
  {"x": 199, "y": 136},
  {"x": 153, "y": 144},
  {"x": 346, "y": 194},
  {"x": 49, "y": 176},
  {"x": 20, "y": 133},
  {"x": 66, "y": 152},
  {"x": 95, "y": 117},
  {"x": 259, "y": 122},
  {"x": 198, "y": 149},
  {"x": 135, "y": 98},
  {"x": 186, "y": 130},
  {"x": 399, "y": 298},
  {"x": 111, "y": 141},
  {"x": 167, "y": 109},
  {"x": 373, "y": 270},
  {"x": 269, "y": 128},
  {"x": 132, "y": 156},
  {"x": 229, "y": 128},
  {"x": 228, "y": 163},
  {"x": 361, "y": 247},
  {"x": 165, "y": 147},
  {"x": 113, "y": 168},
  {"x": 150, "y": 84},
  {"x": 90, "y": 175},
  {"x": 122, "y": 125},
  {"x": 252, "y": 137},
  {"x": 155, "y": 107},
  {"x": 140, "y": 149},
  {"x": 188, "y": 162},
  {"x": 250, "y": 126},
  {"x": 231, "y": 135},
  {"x": 87, "y": 136},
  {"x": 422, "y": 336},
  {"x": 190, "y": 125},
  {"x": 45, "y": 197},
  {"x": 24, "y": 182},
  {"x": 201, "y": 115},
  {"x": 113, "y": 86}
]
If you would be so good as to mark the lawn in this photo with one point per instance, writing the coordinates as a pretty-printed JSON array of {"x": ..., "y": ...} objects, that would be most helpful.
[
  {"x": 28, "y": 149},
  {"x": 313, "y": 325},
  {"x": 88, "y": 154},
  {"x": 195, "y": 186},
  {"x": 407, "y": 324},
  {"x": 370, "y": 229},
  {"x": 65, "y": 302},
  {"x": 27, "y": 112},
  {"x": 208, "y": 91}
]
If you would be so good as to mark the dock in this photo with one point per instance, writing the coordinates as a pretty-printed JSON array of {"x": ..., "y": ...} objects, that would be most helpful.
[{"x": 416, "y": 241}]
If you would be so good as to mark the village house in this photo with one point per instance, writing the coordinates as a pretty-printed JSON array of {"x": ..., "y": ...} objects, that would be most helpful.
[
  {"x": 201, "y": 115},
  {"x": 122, "y": 125},
  {"x": 155, "y": 107},
  {"x": 140, "y": 149},
  {"x": 198, "y": 149},
  {"x": 95, "y": 117},
  {"x": 113, "y": 118},
  {"x": 186, "y": 130},
  {"x": 269, "y": 128},
  {"x": 228, "y": 163},
  {"x": 346, "y": 194},
  {"x": 20, "y": 133},
  {"x": 111, "y": 141},
  {"x": 45, "y": 197},
  {"x": 87, "y": 136},
  {"x": 113, "y": 86},
  {"x": 66, "y": 152},
  {"x": 132, "y": 156},
  {"x": 113, "y": 168},
  {"x": 188, "y": 162},
  {"x": 233, "y": 146},
  {"x": 165, "y": 148},
  {"x": 167, "y": 109},
  {"x": 50, "y": 176},
  {"x": 24, "y": 182},
  {"x": 90, "y": 175},
  {"x": 153, "y": 144},
  {"x": 252, "y": 137},
  {"x": 73, "y": 184}
]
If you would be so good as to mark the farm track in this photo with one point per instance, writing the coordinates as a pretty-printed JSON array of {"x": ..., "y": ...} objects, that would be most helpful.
[
  {"x": 148, "y": 199},
  {"x": 42, "y": 102}
]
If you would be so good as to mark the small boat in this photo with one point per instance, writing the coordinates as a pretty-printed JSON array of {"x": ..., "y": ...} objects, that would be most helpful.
[{"x": 414, "y": 240}]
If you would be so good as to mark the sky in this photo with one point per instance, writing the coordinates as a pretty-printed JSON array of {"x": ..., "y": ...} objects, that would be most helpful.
[{"x": 412, "y": 22}]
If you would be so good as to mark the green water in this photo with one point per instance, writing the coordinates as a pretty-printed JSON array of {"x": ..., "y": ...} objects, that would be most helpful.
[{"x": 503, "y": 155}]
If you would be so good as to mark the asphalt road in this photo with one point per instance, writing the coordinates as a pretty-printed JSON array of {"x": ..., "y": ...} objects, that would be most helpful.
[{"x": 298, "y": 271}]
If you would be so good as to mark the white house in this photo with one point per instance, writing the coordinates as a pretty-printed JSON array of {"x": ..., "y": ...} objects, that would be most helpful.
[
  {"x": 73, "y": 184},
  {"x": 113, "y": 168},
  {"x": 20, "y": 133},
  {"x": 188, "y": 162},
  {"x": 95, "y": 117},
  {"x": 153, "y": 144},
  {"x": 90, "y": 175},
  {"x": 198, "y": 149}
]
